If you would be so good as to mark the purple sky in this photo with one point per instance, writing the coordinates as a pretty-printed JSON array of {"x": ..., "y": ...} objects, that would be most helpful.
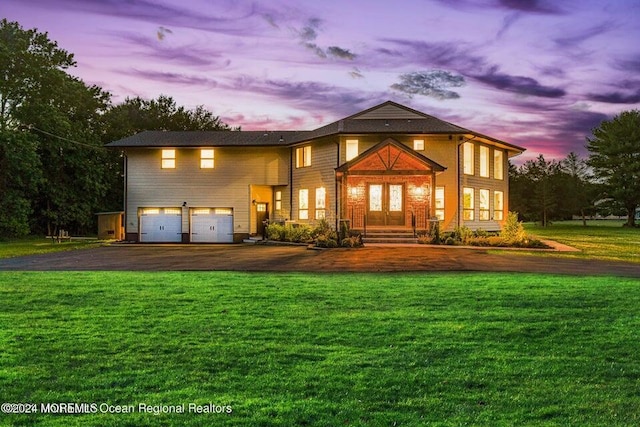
[{"x": 536, "y": 73}]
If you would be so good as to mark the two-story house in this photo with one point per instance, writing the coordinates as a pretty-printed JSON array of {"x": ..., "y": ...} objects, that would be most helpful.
[{"x": 386, "y": 167}]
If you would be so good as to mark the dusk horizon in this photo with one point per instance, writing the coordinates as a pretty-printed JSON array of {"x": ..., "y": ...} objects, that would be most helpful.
[{"x": 536, "y": 74}]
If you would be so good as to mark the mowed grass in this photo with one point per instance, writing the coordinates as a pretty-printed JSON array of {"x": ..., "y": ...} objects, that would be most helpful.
[
  {"x": 606, "y": 240},
  {"x": 40, "y": 245},
  {"x": 323, "y": 349}
]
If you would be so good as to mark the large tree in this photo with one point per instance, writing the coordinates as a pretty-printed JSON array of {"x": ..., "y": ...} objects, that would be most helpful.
[
  {"x": 615, "y": 159},
  {"x": 29, "y": 64}
]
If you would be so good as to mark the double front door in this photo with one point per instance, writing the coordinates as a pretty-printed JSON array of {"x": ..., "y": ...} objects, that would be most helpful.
[{"x": 385, "y": 204}]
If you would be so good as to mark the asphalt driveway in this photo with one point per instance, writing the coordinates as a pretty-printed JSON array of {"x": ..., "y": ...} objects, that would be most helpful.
[{"x": 299, "y": 258}]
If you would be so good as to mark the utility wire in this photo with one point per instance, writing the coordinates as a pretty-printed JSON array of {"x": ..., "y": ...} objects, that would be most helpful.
[{"x": 65, "y": 139}]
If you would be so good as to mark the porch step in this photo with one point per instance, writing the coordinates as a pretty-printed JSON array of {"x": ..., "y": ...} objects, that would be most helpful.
[{"x": 390, "y": 236}]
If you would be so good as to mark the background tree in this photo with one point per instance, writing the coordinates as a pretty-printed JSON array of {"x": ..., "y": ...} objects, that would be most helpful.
[
  {"x": 29, "y": 64},
  {"x": 615, "y": 159}
]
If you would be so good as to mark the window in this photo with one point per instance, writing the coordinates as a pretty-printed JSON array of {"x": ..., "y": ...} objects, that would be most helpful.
[
  {"x": 467, "y": 204},
  {"x": 484, "y": 205},
  {"x": 440, "y": 203},
  {"x": 321, "y": 202},
  {"x": 168, "y": 159},
  {"x": 206, "y": 159},
  {"x": 278, "y": 200},
  {"x": 498, "y": 205},
  {"x": 352, "y": 149},
  {"x": 303, "y": 204},
  {"x": 418, "y": 144},
  {"x": 498, "y": 164},
  {"x": 303, "y": 156},
  {"x": 467, "y": 150},
  {"x": 484, "y": 161}
]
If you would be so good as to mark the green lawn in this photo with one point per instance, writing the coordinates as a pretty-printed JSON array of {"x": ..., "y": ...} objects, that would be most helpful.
[
  {"x": 40, "y": 245},
  {"x": 323, "y": 350},
  {"x": 606, "y": 240}
]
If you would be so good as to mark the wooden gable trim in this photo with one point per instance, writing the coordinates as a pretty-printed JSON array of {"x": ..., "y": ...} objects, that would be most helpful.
[{"x": 388, "y": 163}]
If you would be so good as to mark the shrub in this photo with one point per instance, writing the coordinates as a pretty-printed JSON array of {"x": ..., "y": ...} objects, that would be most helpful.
[
  {"x": 495, "y": 241},
  {"x": 296, "y": 233},
  {"x": 322, "y": 228},
  {"x": 513, "y": 232},
  {"x": 352, "y": 242},
  {"x": 435, "y": 233},
  {"x": 275, "y": 231},
  {"x": 450, "y": 241},
  {"x": 299, "y": 233},
  {"x": 324, "y": 241}
]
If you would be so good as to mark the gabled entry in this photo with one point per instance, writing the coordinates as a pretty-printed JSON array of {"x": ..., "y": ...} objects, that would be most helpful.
[{"x": 389, "y": 185}]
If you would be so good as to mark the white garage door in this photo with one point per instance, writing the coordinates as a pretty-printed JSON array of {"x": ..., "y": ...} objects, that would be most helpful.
[
  {"x": 161, "y": 225},
  {"x": 212, "y": 225}
]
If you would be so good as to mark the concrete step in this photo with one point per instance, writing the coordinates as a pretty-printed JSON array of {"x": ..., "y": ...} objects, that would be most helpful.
[{"x": 389, "y": 240}]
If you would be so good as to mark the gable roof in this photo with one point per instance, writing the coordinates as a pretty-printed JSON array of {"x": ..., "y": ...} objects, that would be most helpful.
[
  {"x": 388, "y": 117},
  {"x": 390, "y": 155}
]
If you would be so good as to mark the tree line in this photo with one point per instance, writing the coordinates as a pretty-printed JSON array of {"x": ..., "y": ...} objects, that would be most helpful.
[
  {"x": 54, "y": 171},
  {"x": 606, "y": 183}
]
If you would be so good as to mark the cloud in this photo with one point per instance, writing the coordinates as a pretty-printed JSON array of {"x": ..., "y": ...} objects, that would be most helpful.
[
  {"x": 547, "y": 7},
  {"x": 518, "y": 84},
  {"x": 629, "y": 64},
  {"x": 172, "y": 78},
  {"x": 449, "y": 55},
  {"x": 507, "y": 22},
  {"x": 531, "y": 6},
  {"x": 356, "y": 74},
  {"x": 184, "y": 54},
  {"x": 308, "y": 35},
  {"x": 615, "y": 98},
  {"x": 431, "y": 83},
  {"x": 580, "y": 37},
  {"x": 339, "y": 52},
  {"x": 316, "y": 97},
  {"x": 231, "y": 20}
]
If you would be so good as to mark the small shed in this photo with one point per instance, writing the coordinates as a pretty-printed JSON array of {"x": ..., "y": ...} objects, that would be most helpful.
[{"x": 110, "y": 225}]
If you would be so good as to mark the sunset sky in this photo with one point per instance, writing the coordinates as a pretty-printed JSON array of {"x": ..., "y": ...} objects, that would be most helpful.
[{"x": 540, "y": 74}]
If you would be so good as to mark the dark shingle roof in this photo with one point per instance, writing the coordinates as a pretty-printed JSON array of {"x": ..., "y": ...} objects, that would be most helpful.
[
  {"x": 152, "y": 138},
  {"x": 401, "y": 119}
]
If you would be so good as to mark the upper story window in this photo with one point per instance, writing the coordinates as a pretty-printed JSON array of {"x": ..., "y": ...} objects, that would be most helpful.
[
  {"x": 303, "y": 156},
  {"x": 418, "y": 144},
  {"x": 498, "y": 164},
  {"x": 484, "y": 161},
  {"x": 168, "y": 159},
  {"x": 352, "y": 149},
  {"x": 206, "y": 159},
  {"x": 468, "y": 157}
]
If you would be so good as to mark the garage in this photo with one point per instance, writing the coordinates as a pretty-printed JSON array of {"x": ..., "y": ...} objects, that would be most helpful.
[
  {"x": 161, "y": 225},
  {"x": 212, "y": 225}
]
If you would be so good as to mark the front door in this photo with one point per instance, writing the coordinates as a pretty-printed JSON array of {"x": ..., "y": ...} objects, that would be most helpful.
[
  {"x": 385, "y": 204},
  {"x": 262, "y": 215}
]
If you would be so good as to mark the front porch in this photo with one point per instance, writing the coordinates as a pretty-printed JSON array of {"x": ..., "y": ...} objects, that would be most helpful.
[{"x": 389, "y": 188}]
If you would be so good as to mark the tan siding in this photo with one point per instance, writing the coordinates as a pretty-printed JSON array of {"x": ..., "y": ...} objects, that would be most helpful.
[
  {"x": 321, "y": 173},
  {"x": 227, "y": 185}
]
